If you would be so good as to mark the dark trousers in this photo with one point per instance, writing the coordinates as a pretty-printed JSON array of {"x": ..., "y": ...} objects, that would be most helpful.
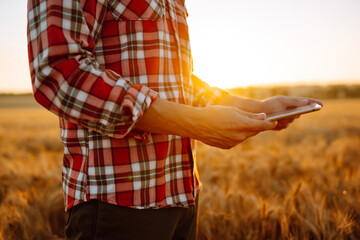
[{"x": 99, "y": 220}]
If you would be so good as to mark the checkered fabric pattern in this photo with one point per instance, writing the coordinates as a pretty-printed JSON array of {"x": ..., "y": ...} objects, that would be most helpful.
[{"x": 99, "y": 65}]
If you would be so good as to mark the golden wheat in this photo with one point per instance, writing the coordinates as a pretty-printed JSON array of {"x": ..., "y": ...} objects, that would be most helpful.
[{"x": 301, "y": 183}]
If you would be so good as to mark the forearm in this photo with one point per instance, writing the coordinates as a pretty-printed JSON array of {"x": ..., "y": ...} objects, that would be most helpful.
[
  {"x": 245, "y": 104},
  {"x": 218, "y": 126},
  {"x": 167, "y": 117}
]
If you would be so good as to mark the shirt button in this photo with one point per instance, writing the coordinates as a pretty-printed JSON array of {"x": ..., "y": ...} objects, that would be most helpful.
[{"x": 123, "y": 131}]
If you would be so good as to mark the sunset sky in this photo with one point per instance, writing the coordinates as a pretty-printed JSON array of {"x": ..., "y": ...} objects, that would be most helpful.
[{"x": 236, "y": 42}]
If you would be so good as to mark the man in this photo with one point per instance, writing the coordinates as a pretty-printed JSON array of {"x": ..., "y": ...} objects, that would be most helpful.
[{"x": 118, "y": 73}]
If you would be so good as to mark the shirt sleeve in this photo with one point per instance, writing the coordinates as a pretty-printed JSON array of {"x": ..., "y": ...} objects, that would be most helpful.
[
  {"x": 204, "y": 95},
  {"x": 65, "y": 75}
]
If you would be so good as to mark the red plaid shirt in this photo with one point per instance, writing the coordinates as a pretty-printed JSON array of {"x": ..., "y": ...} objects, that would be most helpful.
[{"x": 98, "y": 65}]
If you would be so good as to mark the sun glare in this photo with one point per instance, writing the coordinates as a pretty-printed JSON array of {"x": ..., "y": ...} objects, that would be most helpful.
[
  {"x": 277, "y": 42},
  {"x": 237, "y": 43}
]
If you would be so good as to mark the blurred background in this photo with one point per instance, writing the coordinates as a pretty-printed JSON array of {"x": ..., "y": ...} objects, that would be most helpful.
[
  {"x": 236, "y": 43},
  {"x": 259, "y": 42},
  {"x": 301, "y": 183}
]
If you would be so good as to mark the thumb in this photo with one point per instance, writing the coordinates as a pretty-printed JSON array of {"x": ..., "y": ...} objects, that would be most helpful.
[
  {"x": 295, "y": 101},
  {"x": 258, "y": 116},
  {"x": 298, "y": 102}
]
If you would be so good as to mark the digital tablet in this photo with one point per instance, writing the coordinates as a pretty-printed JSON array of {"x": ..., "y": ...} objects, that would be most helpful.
[{"x": 293, "y": 112}]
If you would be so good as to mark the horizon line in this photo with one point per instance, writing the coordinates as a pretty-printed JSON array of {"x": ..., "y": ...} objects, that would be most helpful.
[{"x": 294, "y": 84}]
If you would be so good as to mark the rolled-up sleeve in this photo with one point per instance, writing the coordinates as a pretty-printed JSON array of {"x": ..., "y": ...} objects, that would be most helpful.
[{"x": 66, "y": 77}]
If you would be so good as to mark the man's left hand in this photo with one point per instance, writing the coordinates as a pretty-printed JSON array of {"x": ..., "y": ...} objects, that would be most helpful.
[{"x": 281, "y": 103}]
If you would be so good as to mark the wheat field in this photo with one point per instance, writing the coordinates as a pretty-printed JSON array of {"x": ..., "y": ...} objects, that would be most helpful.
[{"x": 300, "y": 183}]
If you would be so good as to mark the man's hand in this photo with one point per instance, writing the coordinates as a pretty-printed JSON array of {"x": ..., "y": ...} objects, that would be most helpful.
[
  {"x": 225, "y": 127},
  {"x": 281, "y": 103},
  {"x": 270, "y": 105},
  {"x": 218, "y": 126}
]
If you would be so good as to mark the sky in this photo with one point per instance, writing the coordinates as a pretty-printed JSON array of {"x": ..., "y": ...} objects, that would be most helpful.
[
  {"x": 252, "y": 42},
  {"x": 235, "y": 42}
]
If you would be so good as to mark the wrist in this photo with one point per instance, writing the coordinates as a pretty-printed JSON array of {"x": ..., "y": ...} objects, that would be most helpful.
[
  {"x": 245, "y": 104},
  {"x": 250, "y": 105},
  {"x": 256, "y": 106},
  {"x": 167, "y": 117},
  {"x": 191, "y": 120},
  {"x": 261, "y": 106}
]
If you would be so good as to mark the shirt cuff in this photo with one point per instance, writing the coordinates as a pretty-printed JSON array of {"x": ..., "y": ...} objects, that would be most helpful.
[{"x": 137, "y": 100}]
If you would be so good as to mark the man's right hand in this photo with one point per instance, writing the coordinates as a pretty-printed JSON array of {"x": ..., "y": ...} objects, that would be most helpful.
[
  {"x": 218, "y": 126},
  {"x": 225, "y": 127}
]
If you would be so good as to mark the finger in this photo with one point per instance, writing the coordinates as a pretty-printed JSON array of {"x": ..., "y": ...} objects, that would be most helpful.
[
  {"x": 281, "y": 126},
  {"x": 284, "y": 123},
  {"x": 255, "y": 125},
  {"x": 254, "y": 121},
  {"x": 295, "y": 101},
  {"x": 301, "y": 101},
  {"x": 287, "y": 120},
  {"x": 258, "y": 116},
  {"x": 311, "y": 100}
]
